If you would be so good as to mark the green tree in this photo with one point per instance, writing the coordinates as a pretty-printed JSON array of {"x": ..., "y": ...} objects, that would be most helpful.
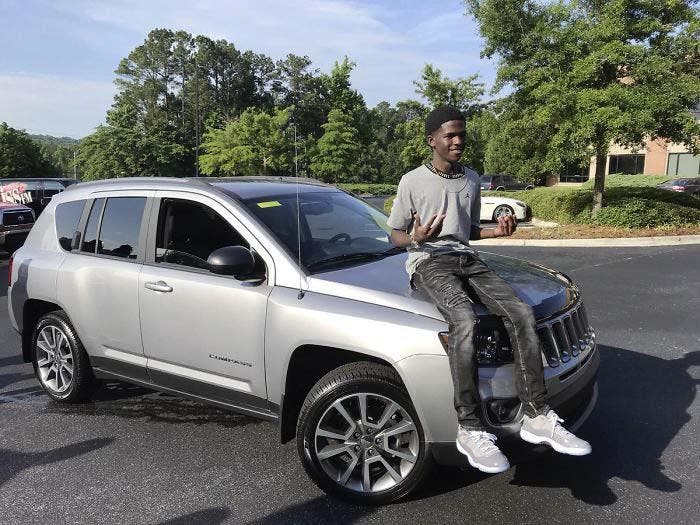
[
  {"x": 339, "y": 150},
  {"x": 256, "y": 143},
  {"x": 20, "y": 156},
  {"x": 587, "y": 73},
  {"x": 462, "y": 93}
]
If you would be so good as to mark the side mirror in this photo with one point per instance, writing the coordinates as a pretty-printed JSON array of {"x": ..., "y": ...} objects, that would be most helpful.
[{"x": 231, "y": 260}]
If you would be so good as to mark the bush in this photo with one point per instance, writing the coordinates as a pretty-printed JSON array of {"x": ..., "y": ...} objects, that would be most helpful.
[
  {"x": 373, "y": 189},
  {"x": 645, "y": 213},
  {"x": 620, "y": 179}
]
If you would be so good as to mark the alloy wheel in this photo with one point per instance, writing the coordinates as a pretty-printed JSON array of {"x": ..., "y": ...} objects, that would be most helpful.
[
  {"x": 54, "y": 359},
  {"x": 366, "y": 442}
]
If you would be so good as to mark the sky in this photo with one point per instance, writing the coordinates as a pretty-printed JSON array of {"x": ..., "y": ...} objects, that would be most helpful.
[{"x": 58, "y": 57}]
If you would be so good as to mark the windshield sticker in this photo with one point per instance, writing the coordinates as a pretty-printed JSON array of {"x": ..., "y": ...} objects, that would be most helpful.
[{"x": 268, "y": 204}]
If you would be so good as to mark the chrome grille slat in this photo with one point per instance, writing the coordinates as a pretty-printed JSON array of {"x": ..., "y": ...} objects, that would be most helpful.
[{"x": 565, "y": 336}]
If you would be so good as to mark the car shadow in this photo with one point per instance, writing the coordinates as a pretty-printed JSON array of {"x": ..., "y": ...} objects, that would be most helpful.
[
  {"x": 642, "y": 404},
  {"x": 133, "y": 402},
  {"x": 13, "y": 462}
]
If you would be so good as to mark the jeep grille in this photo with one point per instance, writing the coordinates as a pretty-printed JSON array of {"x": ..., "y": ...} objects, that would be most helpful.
[{"x": 565, "y": 336}]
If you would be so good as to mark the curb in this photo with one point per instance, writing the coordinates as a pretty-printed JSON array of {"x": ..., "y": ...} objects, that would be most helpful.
[{"x": 671, "y": 240}]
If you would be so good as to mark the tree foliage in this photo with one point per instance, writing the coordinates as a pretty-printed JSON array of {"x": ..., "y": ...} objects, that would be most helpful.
[
  {"x": 20, "y": 156},
  {"x": 339, "y": 150},
  {"x": 256, "y": 143},
  {"x": 587, "y": 73}
]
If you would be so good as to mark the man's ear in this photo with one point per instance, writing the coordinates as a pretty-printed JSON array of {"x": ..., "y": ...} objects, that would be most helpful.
[{"x": 430, "y": 140}]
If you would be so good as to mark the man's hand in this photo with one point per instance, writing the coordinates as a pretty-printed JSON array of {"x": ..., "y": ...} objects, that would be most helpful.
[
  {"x": 506, "y": 226},
  {"x": 428, "y": 232}
]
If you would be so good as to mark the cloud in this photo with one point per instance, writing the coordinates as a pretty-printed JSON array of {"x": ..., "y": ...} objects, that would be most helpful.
[
  {"x": 389, "y": 41},
  {"x": 53, "y": 105}
]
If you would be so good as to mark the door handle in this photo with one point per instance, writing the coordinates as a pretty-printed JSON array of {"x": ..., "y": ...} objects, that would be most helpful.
[{"x": 160, "y": 286}]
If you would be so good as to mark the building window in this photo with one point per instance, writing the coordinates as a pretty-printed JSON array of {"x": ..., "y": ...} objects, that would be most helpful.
[
  {"x": 683, "y": 165},
  {"x": 574, "y": 173},
  {"x": 629, "y": 164}
]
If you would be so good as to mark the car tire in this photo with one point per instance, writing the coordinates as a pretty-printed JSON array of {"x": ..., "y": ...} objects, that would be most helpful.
[
  {"x": 503, "y": 210},
  {"x": 529, "y": 187},
  {"x": 60, "y": 361},
  {"x": 500, "y": 188},
  {"x": 362, "y": 459}
]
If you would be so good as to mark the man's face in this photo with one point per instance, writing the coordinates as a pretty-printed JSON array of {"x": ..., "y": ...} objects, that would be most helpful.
[{"x": 447, "y": 141}]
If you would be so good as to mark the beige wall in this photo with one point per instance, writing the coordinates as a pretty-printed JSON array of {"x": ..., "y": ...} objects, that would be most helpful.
[{"x": 655, "y": 151}]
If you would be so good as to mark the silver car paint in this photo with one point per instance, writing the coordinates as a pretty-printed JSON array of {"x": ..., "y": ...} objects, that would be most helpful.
[{"x": 368, "y": 309}]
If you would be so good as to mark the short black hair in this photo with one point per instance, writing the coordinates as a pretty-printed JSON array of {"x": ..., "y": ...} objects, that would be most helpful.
[{"x": 439, "y": 116}]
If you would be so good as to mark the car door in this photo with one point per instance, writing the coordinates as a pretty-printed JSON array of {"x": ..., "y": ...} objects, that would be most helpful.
[
  {"x": 202, "y": 333},
  {"x": 98, "y": 281}
]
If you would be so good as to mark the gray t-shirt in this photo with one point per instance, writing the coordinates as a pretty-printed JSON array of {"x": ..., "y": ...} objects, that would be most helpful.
[{"x": 428, "y": 194}]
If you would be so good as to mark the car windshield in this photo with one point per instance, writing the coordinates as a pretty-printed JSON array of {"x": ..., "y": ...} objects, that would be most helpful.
[{"x": 336, "y": 228}]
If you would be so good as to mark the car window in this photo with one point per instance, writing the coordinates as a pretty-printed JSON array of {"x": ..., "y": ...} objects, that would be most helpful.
[
  {"x": 188, "y": 232},
  {"x": 52, "y": 187},
  {"x": 486, "y": 178},
  {"x": 90, "y": 238},
  {"x": 507, "y": 178},
  {"x": 67, "y": 219},
  {"x": 121, "y": 226},
  {"x": 18, "y": 191}
]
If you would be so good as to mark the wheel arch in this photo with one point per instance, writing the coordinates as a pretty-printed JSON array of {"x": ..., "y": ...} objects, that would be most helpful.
[
  {"x": 32, "y": 311},
  {"x": 307, "y": 364}
]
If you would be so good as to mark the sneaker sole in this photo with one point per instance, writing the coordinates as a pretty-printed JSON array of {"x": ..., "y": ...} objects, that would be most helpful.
[
  {"x": 482, "y": 468},
  {"x": 539, "y": 440}
]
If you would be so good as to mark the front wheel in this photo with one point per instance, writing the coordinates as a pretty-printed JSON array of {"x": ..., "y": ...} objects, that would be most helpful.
[
  {"x": 359, "y": 437},
  {"x": 503, "y": 210}
]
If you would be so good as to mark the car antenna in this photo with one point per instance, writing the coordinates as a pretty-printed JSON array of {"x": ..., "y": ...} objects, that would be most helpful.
[{"x": 300, "y": 296}]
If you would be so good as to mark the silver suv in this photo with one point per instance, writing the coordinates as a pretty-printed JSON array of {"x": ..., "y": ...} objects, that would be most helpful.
[{"x": 281, "y": 300}]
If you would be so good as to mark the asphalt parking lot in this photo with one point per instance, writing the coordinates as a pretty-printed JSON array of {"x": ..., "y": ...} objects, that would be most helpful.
[{"x": 134, "y": 456}]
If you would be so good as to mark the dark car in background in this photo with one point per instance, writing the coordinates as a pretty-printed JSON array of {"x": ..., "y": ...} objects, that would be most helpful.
[
  {"x": 689, "y": 185},
  {"x": 35, "y": 193},
  {"x": 15, "y": 222},
  {"x": 503, "y": 182}
]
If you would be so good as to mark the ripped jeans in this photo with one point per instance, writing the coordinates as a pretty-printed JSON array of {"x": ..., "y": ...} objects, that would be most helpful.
[{"x": 448, "y": 279}]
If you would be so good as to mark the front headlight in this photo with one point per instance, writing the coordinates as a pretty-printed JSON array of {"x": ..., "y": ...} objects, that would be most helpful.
[{"x": 491, "y": 341}]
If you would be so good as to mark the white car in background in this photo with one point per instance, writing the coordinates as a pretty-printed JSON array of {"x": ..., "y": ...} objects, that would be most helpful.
[{"x": 493, "y": 207}]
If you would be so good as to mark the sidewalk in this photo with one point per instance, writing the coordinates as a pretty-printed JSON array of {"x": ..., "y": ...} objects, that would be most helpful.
[{"x": 670, "y": 240}]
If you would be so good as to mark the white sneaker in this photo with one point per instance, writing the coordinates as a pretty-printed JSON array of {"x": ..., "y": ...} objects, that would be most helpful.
[
  {"x": 481, "y": 451},
  {"x": 547, "y": 429}
]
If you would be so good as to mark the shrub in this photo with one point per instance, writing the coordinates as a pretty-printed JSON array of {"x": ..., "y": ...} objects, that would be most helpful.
[
  {"x": 373, "y": 189},
  {"x": 635, "y": 212},
  {"x": 621, "y": 179}
]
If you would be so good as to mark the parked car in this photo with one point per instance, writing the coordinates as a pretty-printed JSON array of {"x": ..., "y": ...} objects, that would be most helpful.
[
  {"x": 689, "y": 185},
  {"x": 494, "y": 207},
  {"x": 208, "y": 289},
  {"x": 15, "y": 222},
  {"x": 503, "y": 182},
  {"x": 33, "y": 192}
]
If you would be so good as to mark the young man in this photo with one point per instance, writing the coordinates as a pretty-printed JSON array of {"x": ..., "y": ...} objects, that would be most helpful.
[{"x": 441, "y": 200}]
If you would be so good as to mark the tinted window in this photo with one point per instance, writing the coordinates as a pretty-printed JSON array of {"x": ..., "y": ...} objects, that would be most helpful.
[
  {"x": 51, "y": 188},
  {"x": 189, "y": 231},
  {"x": 121, "y": 226},
  {"x": 90, "y": 237},
  {"x": 67, "y": 219}
]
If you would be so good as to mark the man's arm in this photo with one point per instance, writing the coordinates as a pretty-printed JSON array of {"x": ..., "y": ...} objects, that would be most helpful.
[{"x": 506, "y": 227}]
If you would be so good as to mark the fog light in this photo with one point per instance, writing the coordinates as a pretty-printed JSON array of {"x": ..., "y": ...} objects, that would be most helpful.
[{"x": 501, "y": 411}]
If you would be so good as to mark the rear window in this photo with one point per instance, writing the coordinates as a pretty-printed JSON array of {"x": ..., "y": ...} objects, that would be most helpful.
[
  {"x": 67, "y": 219},
  {"x": 90, "y": 237},
  {"x": 486, "y": 178}
]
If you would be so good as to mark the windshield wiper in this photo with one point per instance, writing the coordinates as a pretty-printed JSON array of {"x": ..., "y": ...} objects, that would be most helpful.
[{"x": 347, "y": 257}]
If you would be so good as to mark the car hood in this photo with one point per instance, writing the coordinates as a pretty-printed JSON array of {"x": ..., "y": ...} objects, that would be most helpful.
[{"x": 385, "y": 283}]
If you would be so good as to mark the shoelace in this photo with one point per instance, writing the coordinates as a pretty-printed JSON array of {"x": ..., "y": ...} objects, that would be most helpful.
[
  {"x": 485, "y": 441},
  {"x": 555, "y": 420}
]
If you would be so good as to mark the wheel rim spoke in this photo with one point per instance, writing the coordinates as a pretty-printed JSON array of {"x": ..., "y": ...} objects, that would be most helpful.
[
  {"x": 346, "y": 475},
  {"x": 329, "y": 434},
  {"x": 399, "y": 429},
  {"x": 332, "y": 450}
]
